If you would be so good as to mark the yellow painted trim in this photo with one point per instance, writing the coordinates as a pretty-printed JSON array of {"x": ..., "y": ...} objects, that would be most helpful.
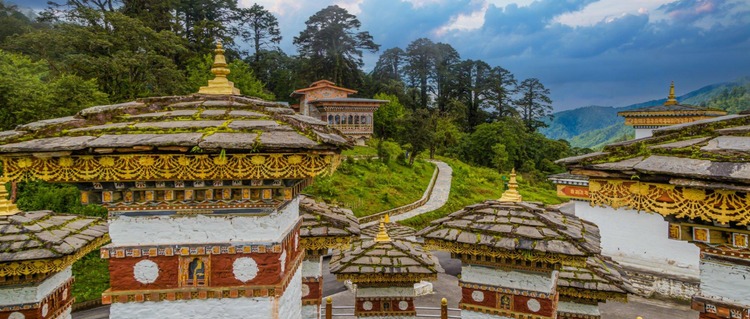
[{"x": 45, "y": 266}]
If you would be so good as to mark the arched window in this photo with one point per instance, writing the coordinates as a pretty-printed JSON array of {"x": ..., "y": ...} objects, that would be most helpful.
[
  {"x": 364, "y": 119},
  {"x": 330, "y": 119},
  {"x": 338, "y": 120},
  {"x": 351, "y": 120},
  {"x": 356, "y": 119}
]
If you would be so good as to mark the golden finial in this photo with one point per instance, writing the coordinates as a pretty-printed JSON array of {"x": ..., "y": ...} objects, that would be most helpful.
[
  {"x": 220, "y": 84},
  {"x": 671, "y": 99},
  {"x": 444, "y": 302},
  {"x": 512, "y": 194},
  {"x": 7, "y": 207},
  {"x": 382, "y": 236},
  {"x": 387, "y": 218}
]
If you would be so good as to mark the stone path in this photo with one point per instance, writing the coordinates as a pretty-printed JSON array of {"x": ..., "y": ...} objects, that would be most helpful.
[{"x": 439, "y": 193}]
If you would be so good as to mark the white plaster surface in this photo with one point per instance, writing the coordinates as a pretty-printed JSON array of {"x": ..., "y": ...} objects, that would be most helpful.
[
  {"x": 289, "y": 306},
  {"x": 16, "y": 315},
  {"x": 643, "y": 132},
  {"x": 385, "y": 292},
  {"x": 639, "y": 239},
  {"x": 45, "y": 309},
  {"x": 305, "y": 290},
  {"x": 477, "y": 295},
  {"x": 725, "y": 281},
  {"x": 282, "y": 260},
  {"x": 539, "y": 282},
  {"x": 533, "y": 305},
  {"x": 66, "y": 314},
  {"x": 572, "y": 307},
  {"x": 146, "y": 271},
  {"x": 195, "y": 229},
  {"x": 468, "y": 314},
  {"x": 403, "y": 305},
  {"x": 244, "y": 269},
  {"x": 14, "y": 295},
  {"x": 423, "y": 288},
  {"x": 312, "y": 268},
  {"x": 310, "y": 312},
  {"x": 367, "y": 305},
  {"x": 290, "y": 303}
]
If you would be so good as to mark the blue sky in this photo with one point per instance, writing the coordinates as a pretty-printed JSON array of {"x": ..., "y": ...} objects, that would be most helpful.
[{"x": 605, "y": 52}]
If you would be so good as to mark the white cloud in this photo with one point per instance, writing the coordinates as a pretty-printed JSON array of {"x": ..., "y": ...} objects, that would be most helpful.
[
  {"x": 465, "y": 22},
  {"x": 608, "y": 10},
  {"x": 279, "y": 7},
  {"x": 350, "y": 5}
]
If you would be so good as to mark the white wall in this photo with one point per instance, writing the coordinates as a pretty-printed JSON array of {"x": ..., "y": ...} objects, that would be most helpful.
[
  {"x": 289, "y": 306},
  {"x": 529, "y": 281},
  {"x": 583, "y": 309},
  {"x": 15, "y": 295},
  {"x": 639, "y": 240},
  {"x": 312, "y": 268},
  {"x": 725, "y": 281},
  {"x": 310, "y": 312},
  {"x": 202, "y": 229},
  {"x": 466, "y": 314},
  {"x": 643, "y": 132}
]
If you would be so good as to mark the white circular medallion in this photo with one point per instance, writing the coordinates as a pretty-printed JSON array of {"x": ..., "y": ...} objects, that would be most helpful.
[
  {"x": 533, "y": 305},
  {"x": 16, "y": 315},
  {"x": 403, "y": 305},
  {"x": 45, "y": 310},
  {"x": 245, "y": 269},
  {"x": 65, "y": 294},
  {"x": 146, "y": 271},
  {"x": 367, "y": 305},
  {"x": 305, "y": 290},
  {"x": 477, "y": 296},
  {"x": 282, "y": 259}
]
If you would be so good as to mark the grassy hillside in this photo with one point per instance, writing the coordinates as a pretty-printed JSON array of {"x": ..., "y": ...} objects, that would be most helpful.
[
  {"x": 473, "y": 184},
  {"x": 369, "y": 186},
  {"x": 596, "y": 126}
]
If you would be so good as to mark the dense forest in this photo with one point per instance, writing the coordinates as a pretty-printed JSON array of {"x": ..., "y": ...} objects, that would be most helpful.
[{"x": 80, "y": 53}]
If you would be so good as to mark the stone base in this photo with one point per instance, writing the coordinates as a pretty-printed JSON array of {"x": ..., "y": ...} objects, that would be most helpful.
[
  {"x": 311, "y": 312},
  {"x": 662, "y": 286}
]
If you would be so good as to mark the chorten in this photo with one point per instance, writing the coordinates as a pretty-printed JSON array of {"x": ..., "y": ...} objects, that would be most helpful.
[
  {"x": 646, "y": 119},
  {"x": 384, "y": 270},
  {"x": 202, "y": 193},
  {"x": 37, "y": 251}
]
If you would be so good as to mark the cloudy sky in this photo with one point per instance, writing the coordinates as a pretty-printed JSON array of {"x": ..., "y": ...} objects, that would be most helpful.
[{"x": 605, "y": 52}]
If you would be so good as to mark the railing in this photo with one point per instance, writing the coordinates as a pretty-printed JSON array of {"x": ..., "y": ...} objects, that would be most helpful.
[
  {"x": 408, "y": 207},
  {"x": 330, "y": 312},
  {"x": 353, "y": 127}
]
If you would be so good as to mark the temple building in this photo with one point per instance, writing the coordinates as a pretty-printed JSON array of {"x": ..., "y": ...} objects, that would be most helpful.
[
  {"x": 332, "y": 104},
  {"x": 323, "y": 228},
  {"x": 384, "y": 270},
  {"x": 646, "y": 119},
  {"x": 511, "y": 255},
  {"x": 202, "y": 193},
  {"x": 694, "y": 176},
  {"x": 582, "y": 289},
  {"x": 37, "y": 251}
]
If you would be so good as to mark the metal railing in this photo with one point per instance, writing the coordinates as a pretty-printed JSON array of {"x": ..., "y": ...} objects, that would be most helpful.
[
  {"x": 408, "y": 207},
  {"x": 442, "y": 312}
]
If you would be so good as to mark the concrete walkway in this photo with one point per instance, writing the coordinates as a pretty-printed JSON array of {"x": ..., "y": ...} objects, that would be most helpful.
[{"x": 439, "y": 193}]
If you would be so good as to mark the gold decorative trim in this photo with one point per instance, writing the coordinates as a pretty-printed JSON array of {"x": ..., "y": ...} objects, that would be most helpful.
[
  {"x": 149, "y": 167},
  {"x": 592, "y": 294},
  {"x": 385, "y": 278},
  {"x": 45, "y": 266},
  {"x": 523, "y": 255},
  {"x": 509, "y": 291},
  {"x": 317, "y": 243},
  {"x": 722, "y": 206}
]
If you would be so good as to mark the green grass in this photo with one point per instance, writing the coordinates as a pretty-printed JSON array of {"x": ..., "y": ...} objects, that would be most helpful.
[
  {"x": 369, "y": 186},
  {"x": 361, "y": 151},
  {"x": 92, "y": 277},
  {"x": 473, "y": 185}
]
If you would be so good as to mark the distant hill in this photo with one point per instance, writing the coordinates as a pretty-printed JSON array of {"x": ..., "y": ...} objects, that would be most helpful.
[{"x": 596, "y": 126}]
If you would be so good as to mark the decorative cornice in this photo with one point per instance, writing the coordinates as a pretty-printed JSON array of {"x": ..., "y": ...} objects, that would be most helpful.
[
  {"x": 517, "y": 292},
  {"x": 500, "y": 312},
  {"x": 594, "y": 295},
  {"x": 152, "y": 167},
  {"x": 317, "y": 243},
  {"x": 525, "y": 255}
]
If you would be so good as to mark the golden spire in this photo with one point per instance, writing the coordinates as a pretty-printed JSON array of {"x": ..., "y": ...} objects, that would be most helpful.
[
  {"x": 382, "y": 236},
  {"x": 671, "y": 100},
  {"x": 512, "y": 194},
  {"x": 220, "y": 84},
  {"x": 387, "y": 218},
  {"x": 6, "y": 206}
]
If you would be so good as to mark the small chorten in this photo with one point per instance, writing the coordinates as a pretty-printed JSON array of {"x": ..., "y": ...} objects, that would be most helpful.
[
  {"x": 7, "y": 207},
  {"x": 512, "y": 194},
  {"x": 382, "y": 236},
  {"x": 671, "y": 99},
  {"x": 220, "y": 85}
]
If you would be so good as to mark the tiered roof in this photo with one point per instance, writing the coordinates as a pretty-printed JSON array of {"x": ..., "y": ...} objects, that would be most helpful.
[
  {"x": 41, "y": 242},
  {"x": 516, "y": 231},
  {"x": 324, "y": 226},
  {"x": 600, "y": 280},
  {"x": 383, "y": 260},
  {"x": 395, "y": 230}
]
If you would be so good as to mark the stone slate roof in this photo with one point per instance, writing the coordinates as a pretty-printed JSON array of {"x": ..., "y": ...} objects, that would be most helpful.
[
  {"x": 321, "y": 220},
  {"x": 45, "y": 235},
  {"x": 209, "y": 122},
  {"x": 601, "y": 274},
  {"x": 371, "y": 261},
  {"x": 515, "y": 227},
  {"x": 713, "y": 150},
  {"x": 395, "y": 230},
  {"x": 682, "y": 109}
]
